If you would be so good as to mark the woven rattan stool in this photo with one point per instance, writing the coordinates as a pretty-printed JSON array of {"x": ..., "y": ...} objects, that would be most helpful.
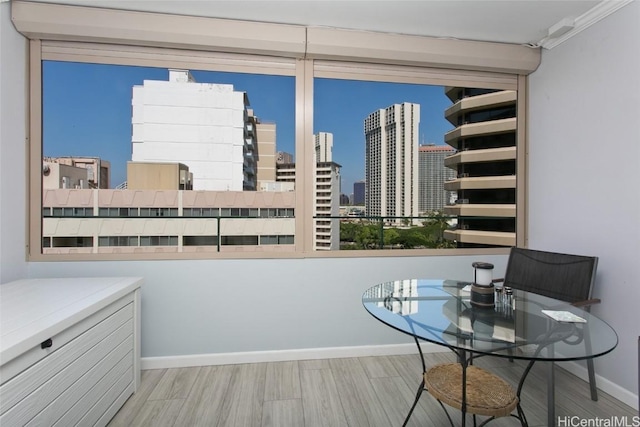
[{"x": 487, "y": 394}]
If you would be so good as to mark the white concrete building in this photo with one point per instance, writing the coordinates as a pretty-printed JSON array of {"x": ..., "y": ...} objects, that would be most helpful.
[
  {"x": 326, "y": 192},
  {"x": 326, "y": 200},
  {"x": 391, "y": 161},
  {"x": 326, "y": 206},
  {"x": 203, "y": 125},
  {"x": 323, "y": 146}
]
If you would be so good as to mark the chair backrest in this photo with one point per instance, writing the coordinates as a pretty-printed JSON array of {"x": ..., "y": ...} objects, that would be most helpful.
[{"x": 561, "y": 276}]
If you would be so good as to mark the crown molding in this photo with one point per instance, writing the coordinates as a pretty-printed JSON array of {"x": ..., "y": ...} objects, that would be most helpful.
[{"x": 584, "y": 21}]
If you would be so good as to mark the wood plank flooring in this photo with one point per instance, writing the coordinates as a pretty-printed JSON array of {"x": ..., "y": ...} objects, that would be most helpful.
[{"x": 354, "y": 392}]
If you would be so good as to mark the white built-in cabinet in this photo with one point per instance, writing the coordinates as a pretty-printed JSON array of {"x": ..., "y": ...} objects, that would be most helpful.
[{"x": 69, "y": 350}]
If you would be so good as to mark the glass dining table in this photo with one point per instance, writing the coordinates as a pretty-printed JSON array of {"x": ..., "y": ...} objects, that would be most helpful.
[{"x": 523, "y": 325}]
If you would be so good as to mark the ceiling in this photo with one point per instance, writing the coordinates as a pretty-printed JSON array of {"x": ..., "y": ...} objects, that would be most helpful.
[{"x": 507, "y": 21}]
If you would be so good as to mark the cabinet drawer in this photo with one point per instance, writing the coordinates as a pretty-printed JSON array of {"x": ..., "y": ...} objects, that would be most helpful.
[
  {"x": 68, "y": 408},
  {"x": 108, "y": 404},
  {"x": 12, "y": 368},
  {"x": 57, "y": 396},
  {"x": 55, "y": 373}
]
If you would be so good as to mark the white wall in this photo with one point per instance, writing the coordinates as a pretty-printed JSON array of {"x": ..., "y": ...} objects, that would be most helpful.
[
  {"x": 584, "y": 161},
  {"x": 226, "y": 306},
  {"x": 13, "y": 89}
]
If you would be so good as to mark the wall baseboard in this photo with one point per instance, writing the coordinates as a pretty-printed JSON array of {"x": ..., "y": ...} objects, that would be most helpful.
[
  {"x": 284, "y": 355},
  {"x": 185, "y": 361}
]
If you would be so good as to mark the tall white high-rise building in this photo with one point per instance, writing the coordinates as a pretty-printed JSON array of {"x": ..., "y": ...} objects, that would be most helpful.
[
  {"x": 326, "y": 191},
  {"x": 324, "y": 146},
  {"x": 326, "y": 201},
  {"x": 391, "y": 162},
  {"x": 205, "y": 126}
]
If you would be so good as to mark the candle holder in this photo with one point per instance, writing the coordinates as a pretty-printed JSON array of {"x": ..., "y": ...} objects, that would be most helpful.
[{"x": 482, "y": 292}]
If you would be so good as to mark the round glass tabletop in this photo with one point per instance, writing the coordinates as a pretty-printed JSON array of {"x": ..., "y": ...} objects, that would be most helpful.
[{"x": 529, "y": 326}]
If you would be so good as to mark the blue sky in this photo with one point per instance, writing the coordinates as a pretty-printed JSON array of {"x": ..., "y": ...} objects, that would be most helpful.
[{"x": 87, "y": 111}]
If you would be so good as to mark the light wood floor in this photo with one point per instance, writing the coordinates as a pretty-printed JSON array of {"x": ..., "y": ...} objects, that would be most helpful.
[{"x": 364, "y": 391}]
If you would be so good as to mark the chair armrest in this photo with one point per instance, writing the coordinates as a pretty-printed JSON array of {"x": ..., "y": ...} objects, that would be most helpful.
[{"x": 587, "y": 302}]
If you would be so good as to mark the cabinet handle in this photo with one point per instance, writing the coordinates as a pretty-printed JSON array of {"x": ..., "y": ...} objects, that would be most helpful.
[{"x": 46, "y": 344}]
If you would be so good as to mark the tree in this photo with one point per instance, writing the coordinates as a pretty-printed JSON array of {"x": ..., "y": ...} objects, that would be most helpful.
[
  {"x": 367, "y": 237},
  {"x": 348, "y": 231},
  {"x": 391, "y": 237},
  {"x": 412, "y": 238}
]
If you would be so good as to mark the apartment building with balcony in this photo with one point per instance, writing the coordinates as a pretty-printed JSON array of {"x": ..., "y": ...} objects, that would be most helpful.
[
  {"x": 391, "y": 162},
  {"x": 484, "y": 138},
  {"x": 158, "y": 213},
  {"x": 208, "y": 127},
  {"x": 326, "y": 200},
  {"x": 326, "y": 203},
  {"x": 84, "y": 221}
]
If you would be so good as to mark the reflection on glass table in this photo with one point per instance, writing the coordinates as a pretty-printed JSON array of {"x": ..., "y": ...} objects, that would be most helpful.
[{"x": 440, "y": 312}]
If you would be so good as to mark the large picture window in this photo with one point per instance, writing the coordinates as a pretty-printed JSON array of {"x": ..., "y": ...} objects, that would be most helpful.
[{"x": 158, "y": 151}]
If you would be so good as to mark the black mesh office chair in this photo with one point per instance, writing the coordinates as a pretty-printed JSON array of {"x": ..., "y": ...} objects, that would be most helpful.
[{"x": 561, "y": 276}]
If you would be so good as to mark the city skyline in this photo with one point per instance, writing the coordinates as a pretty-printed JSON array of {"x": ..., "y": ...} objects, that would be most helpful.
[{"x": 87, "y": 111}]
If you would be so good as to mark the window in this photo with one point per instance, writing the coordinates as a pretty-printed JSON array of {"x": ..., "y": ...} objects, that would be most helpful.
[
  {"x": 201, "y": 212},
  {"x": 117, "y": 212},
  {"x": 123, "y": 170},
  {"x": 158, "y": 240},
  {"x": 240, "y": 240},
  {"x": 66, "y": 212},
  {"x": 200, "y": 241},
  {"x": 72, "y": 242},
  {"x": 401, "y": 140},
  {"x": 155, "y": 212},
  {"x": 175, "y": 145},
  {"x": 276, "y": 240},
  {"x": 118, "y": 241}
]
